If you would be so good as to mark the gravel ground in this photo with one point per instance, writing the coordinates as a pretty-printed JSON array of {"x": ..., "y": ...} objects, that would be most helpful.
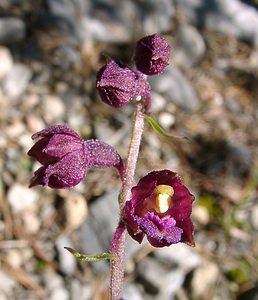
[{"x": 49, "y": 54}]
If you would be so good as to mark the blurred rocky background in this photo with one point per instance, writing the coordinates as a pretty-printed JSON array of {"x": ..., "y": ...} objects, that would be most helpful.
[{"x": 50, "y": 51}]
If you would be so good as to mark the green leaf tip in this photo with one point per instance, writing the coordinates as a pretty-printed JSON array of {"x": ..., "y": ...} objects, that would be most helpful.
[
  {"x": 91, "y": 258},
  {"x": 160, "y": 130}
]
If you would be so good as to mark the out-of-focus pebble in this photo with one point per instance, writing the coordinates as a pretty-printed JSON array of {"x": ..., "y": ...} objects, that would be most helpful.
[
  {"x": 201, "y": 214},
  {"x": 66, "y": 260},
  {"x": 7, "y": 283},
  {"x": 53, "y": 108},
  {"x": 204, "y": 278},
  {"x": 166, "y": 120},
  {"x": 6, "y": 61},
  {"x": 21, "y": 197},
  {"x": 75, "y": 210},
  {"x": 254, "y": 217},
  {"x": 59, "y": 293},
  {"x": 16, "y": 81}
]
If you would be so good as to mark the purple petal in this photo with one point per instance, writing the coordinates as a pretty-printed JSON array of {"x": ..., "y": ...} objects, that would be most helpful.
[
  {"x": 55, "y": 129},
  {"x": 37, "y": 152},
  {"x": 61, "y": 144},
  {"x": 39, "y": 177},
  {"x": 160, "y": 232},
  {"x": 140, "y": 193},
  {"x": 66, "y": 173},
  {"x": 161, "y": 177}
]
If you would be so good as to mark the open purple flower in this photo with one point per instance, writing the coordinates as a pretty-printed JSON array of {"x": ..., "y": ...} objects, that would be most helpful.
[
  {"x": 151, "y": 54},
  {"x": 66, "y": 157},
  {"x": 118, "y": 84},
  {"x": 160, "y": 208}
]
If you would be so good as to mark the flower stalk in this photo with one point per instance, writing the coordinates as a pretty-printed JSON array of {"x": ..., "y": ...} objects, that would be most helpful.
[{"x": 119, "y": 240}]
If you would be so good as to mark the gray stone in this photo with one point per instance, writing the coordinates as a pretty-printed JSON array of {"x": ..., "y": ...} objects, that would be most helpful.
[
  {"x": 59, "y": 294},
  {"x": 167, "y": 119},
  {"x": 53, "y": 108},
  {"x": 80, "y": 291},
  {"x": 155, "y": 15},
  {"x": 16, "y": 81},
  {"x": 52, "y": 280},
  {"x": 66, "y": 260},
  {"x": 189, "y": 47},
  {"x": 132, "y": 292},
  {"x": 103, "y": 21},
  {"x": 11, "y": 30},
  {"x": 205, "y": 278},
  {"x": 21, "y": 198},
  {"x": 7, "y": 283},
  {"x": 157, "y": 278},
  {"x": 179, "y": 254},
  {"x": 254, "y": 217},
  {"x": 175, "y": 87},
  {"x": 228, "y": 17},
  {"x": 6, "y": 61}
]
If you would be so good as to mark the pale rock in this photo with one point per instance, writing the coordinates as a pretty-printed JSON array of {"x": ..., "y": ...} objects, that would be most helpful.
[
  {"x": 31, "y": 222},
  {"x": 158, "y": 102},
  {"x": 25, "y": 141},
  {"x": 52, "y": 280},
  {"x": 16, "y": 81},
  {"x": 201, "y": 214},
  {"x": 167, "y": 119},
  {"x": 75, "y": 210},
  {"x": 2, "y": 296},
  {"x": 182, "y": 255},
  {"x": 254, "y": 217},
  {"x": 131, "y": 292},
  {"x": 6, "y": 61},
  {"x": 15, "y": 130},
  {"x": 53, "y": 108},
  {"x": 12, "y": 30},
  {"x": 158, "y": 278},
  {"x": 59, "y": 293},
  {"x": 174, "y": 86},
  {"x": 21, "y": 198},
  {"x": 80, "y": 291},
  {"x": 228, "y": 17},
  {"x": 205, "y": 278},
  {"x": 14, "y": 258},
  {"x": 7, "y": 283},
  {"x": 34, "y": 123},
  {"x": 189, "y": 47},
  {"x": 66, "y": 260}
]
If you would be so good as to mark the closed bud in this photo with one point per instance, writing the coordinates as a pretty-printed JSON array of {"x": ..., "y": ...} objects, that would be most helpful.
[
  {"x": 151, "y": 54},
  {"x": 118, "y": 84}
]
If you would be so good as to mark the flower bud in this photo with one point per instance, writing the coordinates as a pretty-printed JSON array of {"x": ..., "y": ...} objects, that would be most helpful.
[
  {"x": 65, "y": 157},
  {"x": 160, "y": 208},
  {"x": 118, "y": 84},
  {"x": 151, "y": 54}
]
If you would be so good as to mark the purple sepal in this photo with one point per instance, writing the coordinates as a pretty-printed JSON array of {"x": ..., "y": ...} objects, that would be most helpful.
[{"x": 101, "y": 154}]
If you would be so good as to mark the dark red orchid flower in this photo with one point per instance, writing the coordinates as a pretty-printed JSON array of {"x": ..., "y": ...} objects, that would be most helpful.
[{"x": 160, "y": 208}]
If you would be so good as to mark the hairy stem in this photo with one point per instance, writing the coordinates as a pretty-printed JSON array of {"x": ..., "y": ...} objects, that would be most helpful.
[{"x": 119, "y": 239}]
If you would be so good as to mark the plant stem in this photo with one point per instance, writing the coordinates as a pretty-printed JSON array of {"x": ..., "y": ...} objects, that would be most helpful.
[{"x": 119, "y": 239}]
